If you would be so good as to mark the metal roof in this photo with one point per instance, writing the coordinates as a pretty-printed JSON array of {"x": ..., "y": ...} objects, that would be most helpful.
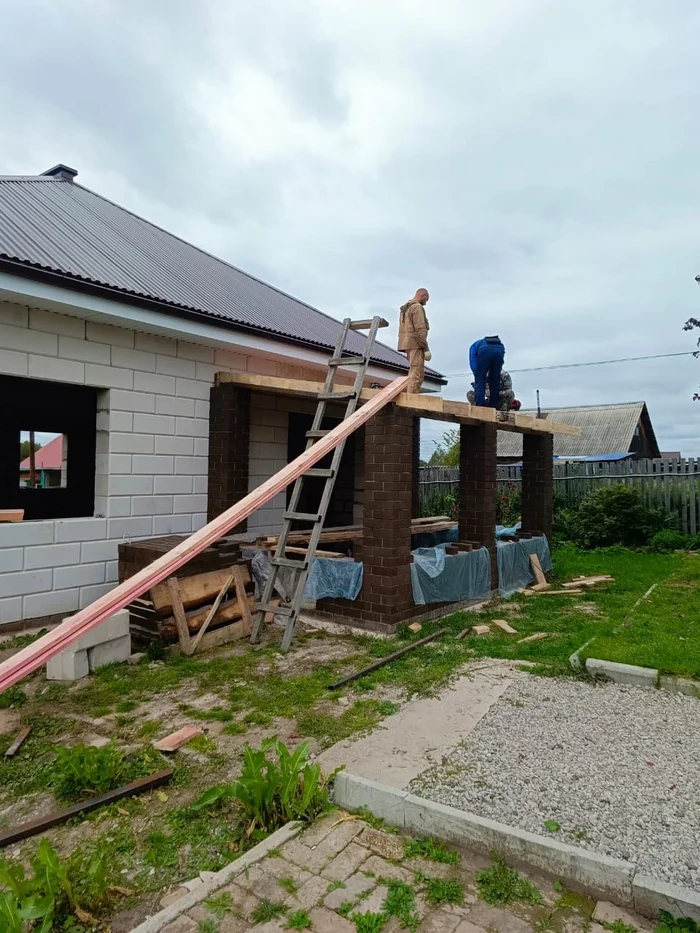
[
  {"x": 605, "y": 429},
  {"x": 51, "y": 225}
]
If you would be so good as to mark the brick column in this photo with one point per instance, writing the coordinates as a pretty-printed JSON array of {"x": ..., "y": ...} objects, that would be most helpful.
[
  {"x": 386, "y": 598},
  {"x": 477, "y": 489},
  {"x": 538, "y": 483},
  {"x": 415, "y": 498},
  {"x": 229, "y": 448}
]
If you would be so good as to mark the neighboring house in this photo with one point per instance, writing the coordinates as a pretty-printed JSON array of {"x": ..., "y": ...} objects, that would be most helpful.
[
  {"x": 623, "y": 429},
  {"x": 49, "y": 465},
  {"x": 112, "y": 332}
]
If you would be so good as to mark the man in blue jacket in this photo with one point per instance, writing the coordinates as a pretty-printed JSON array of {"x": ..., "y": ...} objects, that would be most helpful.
[{"x": 486, "y": 361}]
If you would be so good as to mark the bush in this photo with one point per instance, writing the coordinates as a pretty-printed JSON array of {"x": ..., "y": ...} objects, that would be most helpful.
[
  {"x": 508, "y": 505},
  {"x": 273, "y": 792},
  {"x": 669, "y": 540},
  {"x": 613, "y": 515}
]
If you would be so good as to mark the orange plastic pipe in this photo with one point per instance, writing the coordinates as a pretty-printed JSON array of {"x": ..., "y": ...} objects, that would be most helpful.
[{"x": 58, "y": 639}]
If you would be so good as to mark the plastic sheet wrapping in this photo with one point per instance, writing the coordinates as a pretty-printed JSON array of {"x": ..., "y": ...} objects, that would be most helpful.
[
  {"x": 329, "y": 578},
  {"x": 428, "y": 539},
  {"x": 514, "y": 569},
  {"x": 436, "y": 578},
  {"x": 503, "y": 532}
]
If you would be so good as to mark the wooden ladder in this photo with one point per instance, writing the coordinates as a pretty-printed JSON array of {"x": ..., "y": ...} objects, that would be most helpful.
[{"x": 351, "y": 397}]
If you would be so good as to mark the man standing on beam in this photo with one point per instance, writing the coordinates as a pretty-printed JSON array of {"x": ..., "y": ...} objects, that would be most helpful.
[
  {"x": 413, "y": 338},
  {"x": 486, "y": 361}
]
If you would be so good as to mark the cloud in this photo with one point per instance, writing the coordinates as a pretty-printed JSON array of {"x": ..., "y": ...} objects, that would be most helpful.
[{"x": 533, "y": 163}]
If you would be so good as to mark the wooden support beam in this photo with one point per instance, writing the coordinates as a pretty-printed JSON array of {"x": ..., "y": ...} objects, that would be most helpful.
[
  {"x": 390, "y": 657},
  {"x": 59, "y": 638}
]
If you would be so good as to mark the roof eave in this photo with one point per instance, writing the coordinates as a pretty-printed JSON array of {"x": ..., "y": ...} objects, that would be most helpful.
[{"x": 63, "y": 280}]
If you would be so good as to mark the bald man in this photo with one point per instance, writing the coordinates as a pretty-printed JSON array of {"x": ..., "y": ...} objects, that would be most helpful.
[{"x": 413, "y": 338}]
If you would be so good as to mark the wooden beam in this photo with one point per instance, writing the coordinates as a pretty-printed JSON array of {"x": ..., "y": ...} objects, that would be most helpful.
[
  {"x": 25, "y": 830},
  {"x": 59, "y": 638},
  {"x": 429, "y": 406},
  {"x": 240, "y": 593},
  {"x": 390, "y": 657},
  {"x": 19, "y": 740}
]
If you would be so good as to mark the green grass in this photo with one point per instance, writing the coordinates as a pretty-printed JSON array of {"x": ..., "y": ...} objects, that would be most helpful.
[
  {"x": 267, "y": 910},
  {"x": 299, "y": 920},
  {"x": 501, "y": 884},
  {"x": 431, "y": 849},
  {"x": 400, "y": 902},
  {"x": 441, "y": 891},
  {"x": 369, "y": 922},
  {"x": 219, "y": 905},
  {"x": 619, "y": 926},
  {"x": 663, "y": 631},
  {"x": 288, "y": 884},
  {"x": 13, "y": 698}
]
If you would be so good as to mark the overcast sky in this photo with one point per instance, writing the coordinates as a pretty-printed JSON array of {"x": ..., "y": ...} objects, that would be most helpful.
[{"x": 534, "y": 163}]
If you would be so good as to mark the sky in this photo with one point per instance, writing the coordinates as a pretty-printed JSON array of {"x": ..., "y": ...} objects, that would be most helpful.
[{"x": 535, "y": 164}]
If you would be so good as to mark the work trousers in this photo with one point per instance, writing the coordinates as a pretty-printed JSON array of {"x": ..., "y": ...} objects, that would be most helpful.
[
  {"x": 489, "y": 364},
  {"x": 416, "y": 370}
]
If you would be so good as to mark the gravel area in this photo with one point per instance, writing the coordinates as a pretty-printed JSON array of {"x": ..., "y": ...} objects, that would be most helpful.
[{"x": 616, "y": 767}]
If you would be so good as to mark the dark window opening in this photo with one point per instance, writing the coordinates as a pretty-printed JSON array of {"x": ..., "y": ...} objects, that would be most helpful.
[
  {"x": 41, "y": 423},
  {"x": 342, "y": 506}
]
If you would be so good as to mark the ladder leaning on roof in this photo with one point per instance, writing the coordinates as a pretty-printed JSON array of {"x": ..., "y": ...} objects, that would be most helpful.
[{"x": 316, "y": 519}]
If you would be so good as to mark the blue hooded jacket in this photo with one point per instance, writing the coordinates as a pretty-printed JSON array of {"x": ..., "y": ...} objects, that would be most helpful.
[{"x": 476, "y": 347}]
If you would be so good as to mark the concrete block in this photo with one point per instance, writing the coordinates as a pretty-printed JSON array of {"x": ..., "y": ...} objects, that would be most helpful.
[
  {"x": 152, "y": 505},
  {"x": 690, "y": 688},
  {"x": 99, "y": 550},
  {"x": 176, "y": 366},
  {"x": 14, "y": 363},
  {"x": 116, "y": 463},
  {"x": 15, "y": 315},
  {"x": 175, "y": 445},
  {"x": 188, "y": 388},
  {"x": 172, "y": 484},
  {"x": 10, "y": 610},
  {"x": 19, "y": 584},
  {"x": 132, "y": 401},
  {"x": 195, "y": 351},
  {"x": 109, "y": 377},
  {"x": 23, "y": 534},
  {"x": 112, "y": 571},
  {"x": 206, "y": 372},
  {"x": 170, "y": 405},
  {"x": 54, "y": 602},
  {"x": 31, "y": 341},
  {"x": 623, "y": 673},
  {"x": 191, "y": 466},
  {"x": 200, "y": 485},
  {"x": 190, "y": 504},
  {"x": 70, "y": 348},
  {"x": 119, "y": 649},
  {"x": 156, "y": 344},
  {"x": 65, "y": 578},
  {"x": 118, "y": 506},
  {"x": 81, "y": 529},
  {"x": 651, "y": 896},
  {"x": 131, "y": 443},
  {"x": 48, "y": 367},
  {"x": 201, "y": 447},
  {"x": 155, "y": 424},
  {"x": 131, "y": 485},
  {"x": 153, "y": 465},
  {"x": 88, "y": 594},
  {"x": 117, "y": 421},
  {"x": 52, "y": 323},
  {"x": 68, "y": 665},
  {"x": 150, "y": 382},
  {"x": 172, "y": 524},
  {"x": 106, "y": 333},
  {"x": 192, "y": 427},
  {"x": 354, "y": 793},
  {"x": 201, "y": 409},
  {"x": 12, "y": 559},
  {"x": 117, "y": 626},
  {"x": 134, "y": 359},
  {"x": 54, "y": 555}
]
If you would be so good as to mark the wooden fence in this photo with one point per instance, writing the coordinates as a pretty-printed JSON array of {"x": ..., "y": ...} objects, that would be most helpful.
[{"x": 671, "y": 485}]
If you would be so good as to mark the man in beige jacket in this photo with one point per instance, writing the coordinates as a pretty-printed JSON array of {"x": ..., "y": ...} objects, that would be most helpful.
[{"x": 413, "y": 338}]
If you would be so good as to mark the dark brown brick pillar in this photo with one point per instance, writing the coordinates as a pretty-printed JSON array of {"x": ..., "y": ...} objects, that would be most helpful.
[
  {"x": 385, "y": 550},
  {"x": 538, "y": 483},
  {"x": 477, "y": 489},
  {"x": 229, "y": 448},
  {"x": 415, "y": 500}
]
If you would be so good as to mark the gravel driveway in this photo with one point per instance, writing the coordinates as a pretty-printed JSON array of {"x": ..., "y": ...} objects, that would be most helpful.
[{"x": 618, "y": 768}]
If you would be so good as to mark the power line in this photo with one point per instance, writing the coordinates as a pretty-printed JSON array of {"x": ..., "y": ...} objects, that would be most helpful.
[{"x": 626, "y": 359}]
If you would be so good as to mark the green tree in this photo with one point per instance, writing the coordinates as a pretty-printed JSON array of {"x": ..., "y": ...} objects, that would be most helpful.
[
  {"x": 24, "y": 450},
  {"x": 446, "y": 451}
]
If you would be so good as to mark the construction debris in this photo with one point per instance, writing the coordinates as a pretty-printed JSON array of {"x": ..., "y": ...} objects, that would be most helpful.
[
  {"x": 588, "y": 581},
  {"x": 537, "y": 569},
  {"x": 534, "y": 591},
  {"x": 480, "y": 630},
  {"x": 504, "y": 626},
  {"x": 176, "y": 740},
  {"x": 415, "y": 627},
  {"x": 538, "y": 636},
  {"x": 387, "y": 660},
  {"x": 19, "y": 740}
]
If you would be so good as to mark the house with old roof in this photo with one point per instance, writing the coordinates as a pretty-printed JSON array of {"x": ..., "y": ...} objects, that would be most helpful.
[
  {"x": 607, "y": 431},
  {"x": 113, "y": 333},
  {"x": 49, "y": 465}
]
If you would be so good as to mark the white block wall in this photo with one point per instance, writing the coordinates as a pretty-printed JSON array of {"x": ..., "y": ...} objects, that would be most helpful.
[{"x": 152, "y": 444}]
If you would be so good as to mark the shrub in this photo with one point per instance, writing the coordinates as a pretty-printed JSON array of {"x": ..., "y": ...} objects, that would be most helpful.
[
  {"x": 272, "y": 792},
  {"x": 669, "y": 540},
  {"x": 614, "y": 515},
  {"x": 508, "y": 505},
  {"x": 84, "y": 770}
]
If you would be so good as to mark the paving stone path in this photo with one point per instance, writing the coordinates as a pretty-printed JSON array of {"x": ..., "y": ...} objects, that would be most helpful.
[{"x": 340, "y": 868}]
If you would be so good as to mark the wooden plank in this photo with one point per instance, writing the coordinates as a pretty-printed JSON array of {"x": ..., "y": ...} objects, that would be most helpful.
[
  {"x": 587, "y": 581},
  {"x": 540, "y": 587},
  {"x": 19, "y": 740},
  {"x": 304, "y": 551},
  {"x": 25, "y": 830},
  {"x": 538, "y": 636},
  {"x": 480, "y": 630},
  {"x": 504, "y": 626},
  {"x": 183, "y": 632},
  {"x": 228, "y": 612},
  {"x": 176, "y": 740},
  {"x": 11, "y": 515},
  {"x": 535, "y": 592},
  {"x": 194, "y": 591},
  {"x": 537, "y": 569},
  {"x": 60, "y": 637},
  {"x": 387, "y": 660},
  {"x": 240, "y": 590},
  {"x": 240, "y": 596}
]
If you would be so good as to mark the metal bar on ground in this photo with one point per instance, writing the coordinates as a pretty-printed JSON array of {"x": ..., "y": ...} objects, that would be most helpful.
[{"x": 387, "y": 660}]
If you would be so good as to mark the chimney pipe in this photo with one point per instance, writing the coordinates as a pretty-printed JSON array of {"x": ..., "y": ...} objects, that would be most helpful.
[{"x": 61, "y": 172}]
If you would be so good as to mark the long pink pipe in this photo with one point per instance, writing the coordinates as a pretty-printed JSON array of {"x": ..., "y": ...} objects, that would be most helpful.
[{"x": 58, "y": 639}]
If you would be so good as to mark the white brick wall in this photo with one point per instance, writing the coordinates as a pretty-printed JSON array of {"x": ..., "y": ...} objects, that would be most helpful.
[{"x": 152, "y": 442}]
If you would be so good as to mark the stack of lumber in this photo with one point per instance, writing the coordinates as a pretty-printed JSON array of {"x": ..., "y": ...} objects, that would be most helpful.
[{"x": 355, "y": 532}]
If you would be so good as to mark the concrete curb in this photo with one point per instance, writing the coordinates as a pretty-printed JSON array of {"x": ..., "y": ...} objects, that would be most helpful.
[
  {"x": 597, "y": 875},
  {"x": 636, "y": 676},
  {"x": 209, "y": 882}
]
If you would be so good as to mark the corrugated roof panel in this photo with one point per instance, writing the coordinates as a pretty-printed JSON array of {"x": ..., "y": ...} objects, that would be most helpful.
[{"x": 62, "y": 227}]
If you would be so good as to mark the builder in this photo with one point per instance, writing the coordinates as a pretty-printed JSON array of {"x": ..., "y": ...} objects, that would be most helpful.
[
  {"x": 413, "y": 338},
  {"x": 506, "y": 398},
  {"x": 486, "y": 361}
]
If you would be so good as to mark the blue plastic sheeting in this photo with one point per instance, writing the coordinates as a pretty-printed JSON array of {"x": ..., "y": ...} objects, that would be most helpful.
[
  {"x": 334, "y": 578},
  {"x": 514, "y": 569},
  {"x": 425, "y": 539},
  {"x": 503, "y": 532},
  {"x": 436, "y": 578}
]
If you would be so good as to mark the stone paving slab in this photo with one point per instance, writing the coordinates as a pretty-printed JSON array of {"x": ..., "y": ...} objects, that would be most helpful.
[{"x": 342, "y": 868}]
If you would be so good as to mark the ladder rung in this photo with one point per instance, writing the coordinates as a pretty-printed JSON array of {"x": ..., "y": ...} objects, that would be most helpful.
[
  {"x": 312, "y": 517},
  {"x": 365, "y": 325},
  {"x": 319, "y": 473},
  {"x": 347, "y": 361},
  {"x": 336, "y": 396},
  {"x": 276, "y": 610},
  {"x": 314, "y": 434},
  {"x": 288, "y": 562}
]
